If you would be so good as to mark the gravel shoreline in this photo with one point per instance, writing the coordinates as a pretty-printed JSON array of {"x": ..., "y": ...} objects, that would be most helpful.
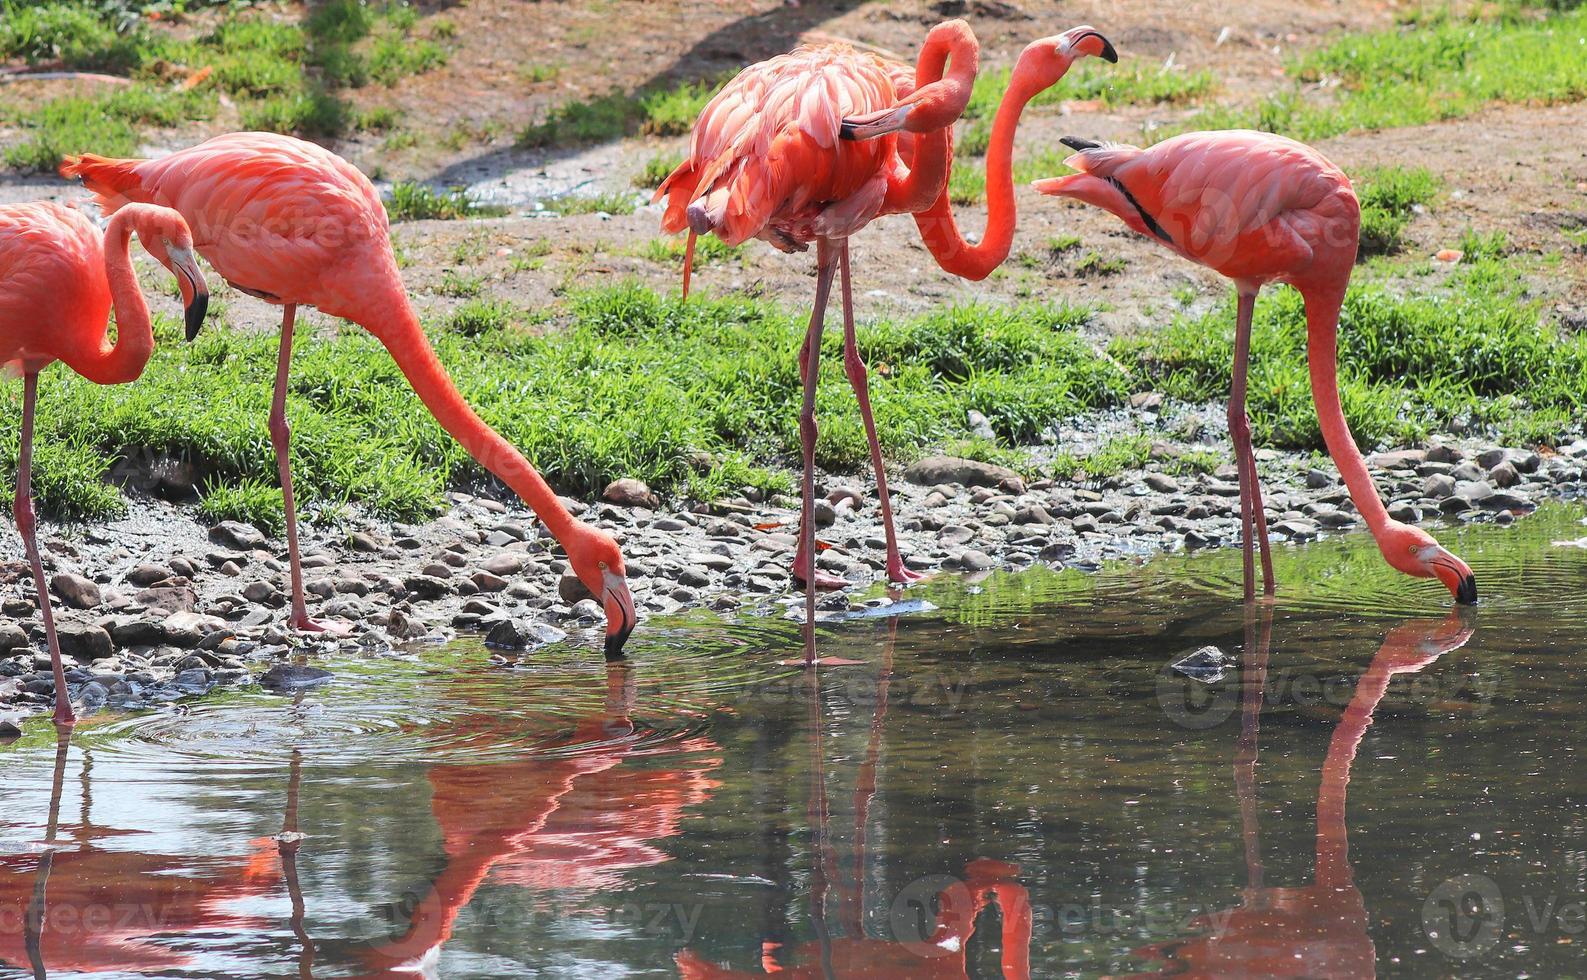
[{"x": 158, "y": 607}]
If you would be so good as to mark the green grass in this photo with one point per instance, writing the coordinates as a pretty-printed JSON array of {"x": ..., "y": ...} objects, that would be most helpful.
[
  {"x": 1110, "y": 459},
  {"x": 708, "y": 250},
  {"x": 1440, "y": 68},
  {"x": 283, "y": 76},
  {"x": 657, "y": 169},
  {"x": 668, "y": 111},
  {"x": 632, "y": 386},
  {"x": 1471, "y": 353},
  {"x": 410, "y": 201},
  {"x": 1389, "y": 197},
  {"x": 610, "y": 203}
]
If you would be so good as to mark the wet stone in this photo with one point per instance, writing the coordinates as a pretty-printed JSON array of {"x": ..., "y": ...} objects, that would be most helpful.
[
  {"x": 572, "y": 590},
  {"x": 235, "y": 534},
  {"x": 85, "y": 642},
  {"x": 1438, "y": 486},
  {"x": 293, "y": 677},
  {"x": 426, "y": 586}
]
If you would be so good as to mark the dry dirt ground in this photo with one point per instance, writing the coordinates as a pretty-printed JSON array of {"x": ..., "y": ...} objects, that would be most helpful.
[{"x": 1522, "y": 170}]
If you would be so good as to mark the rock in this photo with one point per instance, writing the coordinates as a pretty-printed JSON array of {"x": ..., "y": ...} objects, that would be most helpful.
[
  {"x": 587, "y": 609},
  {"x": 10, "y": 728},
  {"x": 170, "y": 598},
  {"x": 194, "y": 680},
  {"x": 76, "y": 591},
  {"x": 188, "y": 629},
  {"x": 1318, "y": 480},
  {"x": 1489, "y": 458},
  {"x": 1504, "y": 474},
  {"x": 513, "y": 634},
  {"x": 12, "y": 637},
  {"x": 1438, "y": 486},
  {"x": 1506, "y": 500},
  {"x": 364, "y": 541},
  {"x": 572, "y": 590},
  {"x": 486, "y": 582},
  {"x": 400, "y": 627},
  {"x": 1466, "y": 472},
  {"x": 1405, "y": 512},
  {"x": 294, "y": 677},
  {"x": 1204, "y": 665},
  {"x": 629, "y": 492},
  {"x": 134, "y": 631},
  {"x": 937, "y": 470},
  {"x": 979, "y": 426},
  {"x": 955, "y": 534},
  {"x": 1475, "y": 491},
  {"x": 825, "y": 514},
  {"x": 1454, "y": 505},
  {"x": 235, "y": 534},
  {"x": 84, "y": 642},
  {"x": 505, "y": 563},
  {"x": 258, "y": 591},
  {"x": 975, "y": 561},
  {"x": 147, "y": 575},
  {"x": 1298, "y": 530},
  {"x": 1162, "y": 483},
  {"x": 1033, "y": 514},
  {"x": 694, "y": 576},
  {"x": 1396, "y": 460},
  {"x": 1443, "y": 453},
  {"x": 426, "y": 586},
  {"x": 1148, "y": 401}
]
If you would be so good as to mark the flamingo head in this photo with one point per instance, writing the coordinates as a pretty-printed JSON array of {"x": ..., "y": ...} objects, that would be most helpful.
[
  {"x": 598, "y": 563},
  {"x": 1044, "y": 62},
  {"x": 1414, "y": 552},
  {"x": 166, "y": 236}
]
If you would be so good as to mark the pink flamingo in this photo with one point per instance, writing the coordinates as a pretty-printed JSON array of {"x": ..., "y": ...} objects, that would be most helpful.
[
  {"x": 766, "y": 161},
  {"x": 1260, "y": 208},
  {"x": 57, "y": 286},
  {"x": 294, "y": 224}
]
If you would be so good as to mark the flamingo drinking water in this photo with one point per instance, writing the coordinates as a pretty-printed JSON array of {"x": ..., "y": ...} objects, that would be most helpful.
[
  {"x": 58, "y": 282},
  {"x": 783, "y": 153},
  {"x": 1260, "y": 208},
  {"x": 295, "y": 224}
]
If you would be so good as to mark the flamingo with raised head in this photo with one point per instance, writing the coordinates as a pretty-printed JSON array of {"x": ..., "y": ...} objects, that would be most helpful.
[
  {"x": 782, "y": 153},
  {"x": 296, "y": 225},
  {"x": 1259, "y": 208},
  {"x": 58, "y": 283}
]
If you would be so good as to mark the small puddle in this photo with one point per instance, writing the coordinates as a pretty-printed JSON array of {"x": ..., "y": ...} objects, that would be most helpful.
[{"x": 1011, "y": 782}]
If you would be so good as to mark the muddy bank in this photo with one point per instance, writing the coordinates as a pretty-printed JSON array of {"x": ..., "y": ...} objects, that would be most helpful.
[{"x": 158, "y": 607}]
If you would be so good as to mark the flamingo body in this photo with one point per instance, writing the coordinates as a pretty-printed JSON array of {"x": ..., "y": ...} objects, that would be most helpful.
[
  {"x": 1260, "y": 208},
  {"x": 766, "y": 159},
  {"x": 56, "y": 300}
]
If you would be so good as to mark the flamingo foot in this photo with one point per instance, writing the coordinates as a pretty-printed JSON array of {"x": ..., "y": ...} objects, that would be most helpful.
[
  {"x": 64, "y": 715},
  {"x": 303, "y": 623},
  {"x": 899, "y": 575},
  {"x": 824, "y": 581}
]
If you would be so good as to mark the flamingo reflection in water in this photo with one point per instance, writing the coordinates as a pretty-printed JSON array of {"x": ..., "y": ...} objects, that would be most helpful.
[
  {"x": 1319, "y": 930},
  {"x": 79, "y": 903},
  {"x": 573, "y": 822},
  {"x": 937, "y": 949}
]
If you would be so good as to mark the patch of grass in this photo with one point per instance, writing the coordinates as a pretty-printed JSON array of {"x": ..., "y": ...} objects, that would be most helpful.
[
  {"x": 1477, "y": 247},
  {"x": 1440, "y": 68},
  {"x": 661, "y": 111},
  {"x": 1113, "y": 457},
  {"x": 610, "y": 203},
  {"x": 1195, "y": 462},
  {"x": 481, "y": 316},
  {"x": 459, "y": 286},
  {"x": 1389, "y": 197},
  {"x": 411, "y": 201},
  {"x": 987, "y": 451},
  {"x": 1094, "y": 264},
  {"x": 633, "y": 385},
  {"x": 672, "y": 112},
  {"x": 283, "y": 76},
  {"x": 708, "y": 250},
  {"x": 1471, "y": 354},
  {"x": 657, "y": 169}
]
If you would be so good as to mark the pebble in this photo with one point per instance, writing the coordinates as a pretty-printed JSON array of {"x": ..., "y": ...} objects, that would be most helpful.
[
  {"x": 76, "y": 591},
  {"x": 235, "y": 534},
  {"x": 294, "y": 677}
]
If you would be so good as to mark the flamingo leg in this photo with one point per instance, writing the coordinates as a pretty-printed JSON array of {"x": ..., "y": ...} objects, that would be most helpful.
[
  {"x": 809, "y": 359},
  {"x": 1253, "y": 518},
  {"x": 811, "y": 353},
  {"x": 281, "y": 440},
  {"x": 27, "y": 527},
  {"x": 855, "y": 367}
]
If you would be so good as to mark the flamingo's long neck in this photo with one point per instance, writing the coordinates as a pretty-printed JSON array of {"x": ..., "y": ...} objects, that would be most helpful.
[
  {"x": 124, "y": 360},
  {"x": 926, "y": 178},
  {"x": 405, "y": 340},
  {"x": 1333, "y": 841},
  {"x": 1322, "y": 330},
  {"x": 937, "y": 226}
]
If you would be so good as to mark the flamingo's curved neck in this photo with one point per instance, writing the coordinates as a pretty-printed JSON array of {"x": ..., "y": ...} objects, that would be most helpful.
[
  {"x": 1322, "y": 329},
  {"x": 124, "y": 360},
  {"x": 1333, "y": 836},
  {"x": 914, "y": 188},
  {"x": 400, "y": 332},
  {"x": 937, "y": 226}
]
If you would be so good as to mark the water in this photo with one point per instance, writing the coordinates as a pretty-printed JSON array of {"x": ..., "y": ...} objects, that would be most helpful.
[{"x": 1012, "y": 784}]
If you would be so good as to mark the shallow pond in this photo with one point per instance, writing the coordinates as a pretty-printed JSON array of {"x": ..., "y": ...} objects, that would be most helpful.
[{"x": 1011, "y": 784}]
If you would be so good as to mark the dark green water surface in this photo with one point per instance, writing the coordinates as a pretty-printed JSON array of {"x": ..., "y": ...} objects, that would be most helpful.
[{"x": 1010, "y": 784}]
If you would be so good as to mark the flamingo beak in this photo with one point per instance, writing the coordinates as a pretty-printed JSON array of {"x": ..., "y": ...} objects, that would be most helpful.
[
  {"x": 195, "y": 291},
  {"x": 1102, "y": 48},
  {"x": 620, "y": 615},
  {"x": 1456, "y": 576},
  {"x": 873, "y": 124}
]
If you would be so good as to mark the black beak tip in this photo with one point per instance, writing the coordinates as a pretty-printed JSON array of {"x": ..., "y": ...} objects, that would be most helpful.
[
  {"x": 846, "y": 131},
  {"x": 1466, "y": 595},
  {"x": 615, "y": 642},
  {"x": 196, "y": 311},
  {"x": 1108, "y": 54}
]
